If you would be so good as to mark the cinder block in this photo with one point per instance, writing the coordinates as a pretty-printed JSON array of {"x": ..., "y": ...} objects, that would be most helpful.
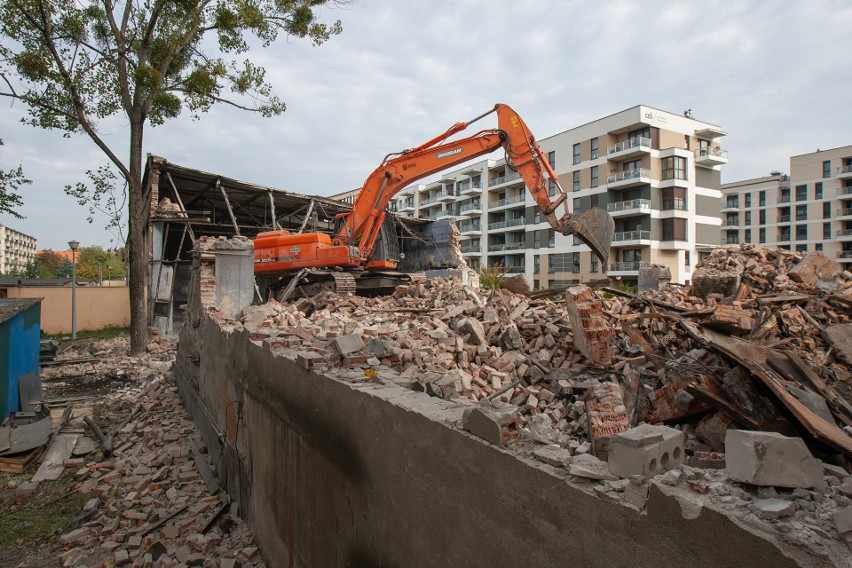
[
  {"x": 348, "y": 344},
  {"x": 645, "y": 450},
  {"x": 770, "y": 459}
]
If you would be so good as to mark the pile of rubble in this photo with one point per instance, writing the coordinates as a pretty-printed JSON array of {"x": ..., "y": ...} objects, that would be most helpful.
[
  {"x": 154, "y": 500},
  {"x": 760, "y": 343}
]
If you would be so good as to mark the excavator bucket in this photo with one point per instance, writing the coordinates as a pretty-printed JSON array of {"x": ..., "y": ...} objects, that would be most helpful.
[{"x": 595, "y": 228}]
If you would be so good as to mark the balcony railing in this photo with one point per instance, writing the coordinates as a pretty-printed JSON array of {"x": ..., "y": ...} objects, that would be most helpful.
[
  {"x": 845, "y": 233},
  {"x": 847, "y": 169},
  {"x": 844, "y": 254},
  {"x": 801, "y": 217},
  {"x": 783, "y": 218},
  {"x": 470, "y": 207},
  {"x": 515, "y": 269},
  {"x": 503, "y": 179},
  {"x": 718, "y": 152},
  {"x": 631, "y": 236},
  {"x": 846, "y": 190},
  {"x": 784, "y": 237},
  {"x": 505, "y": 246},
  {"x": 471, "y": 248},
  {"x": 628, "y": 175},
  {"x": 469, "y": 186},
  {"x": 628, "y": 266},
  {"x": 730, "y": 241},
  {"x": 676, "y": 204},
  {"x": 508, "y": 223},
  {"x": 732, "y": 204},
  {"x": 468, "y": 227},
  {"x": 631, "y": 143},
  {"x": 844, "y": 212},
  {"x": 784, "y": 199},
  {"x": 626, "y": 205},
  {"x": 507, "y": 201}
]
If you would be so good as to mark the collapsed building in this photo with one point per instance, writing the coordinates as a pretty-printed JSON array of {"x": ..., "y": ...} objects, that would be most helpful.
[{"x": 447, "y": 425}]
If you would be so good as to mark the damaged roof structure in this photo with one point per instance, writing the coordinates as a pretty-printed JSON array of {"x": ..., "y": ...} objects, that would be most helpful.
[
  {"x": 184, "y": 203},
  {"x": 669, "y": 419}
]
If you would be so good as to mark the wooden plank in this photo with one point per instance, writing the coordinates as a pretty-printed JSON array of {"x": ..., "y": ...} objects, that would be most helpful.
[
  {"x": 18, "y": 463},
  {"x": 60, "y": 450},
  {"x": 754, "y": 358}
]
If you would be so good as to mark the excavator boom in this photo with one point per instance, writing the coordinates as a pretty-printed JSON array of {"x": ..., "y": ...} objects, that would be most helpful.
[{"x": 353, "y": 244}]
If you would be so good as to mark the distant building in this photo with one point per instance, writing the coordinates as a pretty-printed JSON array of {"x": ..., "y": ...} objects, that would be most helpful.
[
  {"x": 346, "y": 196},
  {"x": 657, "y": 173},
  {"x": 18, "y": 250},
  {"x": 809, "y": 210}
]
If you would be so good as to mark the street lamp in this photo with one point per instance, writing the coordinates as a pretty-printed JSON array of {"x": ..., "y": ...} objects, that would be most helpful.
[{"x": 73, "y": 245}]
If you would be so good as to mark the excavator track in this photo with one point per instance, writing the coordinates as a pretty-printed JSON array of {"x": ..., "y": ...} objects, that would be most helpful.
[{"x": 343, "y": 282}]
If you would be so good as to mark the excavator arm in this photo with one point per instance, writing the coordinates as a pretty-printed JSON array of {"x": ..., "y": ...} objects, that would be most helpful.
[{"x": 361, "y": 226}]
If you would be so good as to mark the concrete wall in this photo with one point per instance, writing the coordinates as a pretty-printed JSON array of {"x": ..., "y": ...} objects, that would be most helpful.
[
  {"x": 349, "y": 472},
  {"x": 97, "y": 307}
]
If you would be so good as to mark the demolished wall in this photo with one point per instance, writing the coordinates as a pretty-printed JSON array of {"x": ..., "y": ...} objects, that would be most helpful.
[{"x": 338, "y": 467}]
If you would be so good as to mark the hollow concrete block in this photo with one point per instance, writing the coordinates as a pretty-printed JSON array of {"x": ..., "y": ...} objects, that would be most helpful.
[{"x": 645, "y": 450}]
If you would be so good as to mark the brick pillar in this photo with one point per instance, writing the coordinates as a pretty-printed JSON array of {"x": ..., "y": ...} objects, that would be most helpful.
[
  {"x": 591, "y": 332},
  {"x": 606, "y": 415}
]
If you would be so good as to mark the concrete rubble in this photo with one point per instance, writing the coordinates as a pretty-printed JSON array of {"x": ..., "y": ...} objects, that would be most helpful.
[
  {"x": 676, "y": 372},
  {"x": 153, "y": 503}
]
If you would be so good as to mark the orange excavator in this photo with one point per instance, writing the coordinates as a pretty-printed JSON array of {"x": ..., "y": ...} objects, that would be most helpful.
[{"x": 346, "y": 259}]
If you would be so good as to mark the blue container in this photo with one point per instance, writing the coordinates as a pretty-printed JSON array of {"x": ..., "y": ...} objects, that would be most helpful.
[{"x": 20, "y": 334}]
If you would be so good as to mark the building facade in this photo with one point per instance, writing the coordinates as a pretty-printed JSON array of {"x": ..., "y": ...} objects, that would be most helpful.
[
  {"x": 656, "y": 173},
  {"x": 809, "y": 210},
  {"x": 17, "y": 252}
]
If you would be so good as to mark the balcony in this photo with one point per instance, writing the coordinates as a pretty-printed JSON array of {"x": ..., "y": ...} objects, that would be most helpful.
[
  {"x": 471, "y": 209},
  {"x": 515, "y": 269},
  {"x": 434, "y": 199},
  {"x": 629, "y": 178},
  {"x": 731, "y": 223},
  {"x": 470, "y": 188},
  {"x": 784, "y": 198},
  {"x": 628, "y": 208},
  {"x": 783, "y": 218},
  {"x": 471, "y": 249},
  {"x": 445, "y": 214},
  {"x": 503, "y": 179},
  {"x": 730, "y": 204},
  {"x": 505, "y": 202},
  {"x": 507, "y": 224},
  {"x": 784, "y": 237},
  {"x": 627, "y": 268},
  {"x": 629, "y": 148},
  {"x": 845, "y": 190},
  {"x": 406, "y": 207},
  {"x": 844, "y": 255},
  {"x": 709, "y": 157},
  {"x": 506, "y": 246},
  {"x": 446, "y": 196},
  {"x": 469, "y": 229},
  {"x": 845, "y": 213},
  {"x": 628, "y": 238},
  {"x": 729, "y": 241},
  {"x": 845, "y": 235},
  {"x": 845, "y": 172}
]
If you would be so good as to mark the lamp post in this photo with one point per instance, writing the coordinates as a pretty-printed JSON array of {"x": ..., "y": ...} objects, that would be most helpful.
[{"x": 73, "y": 245}]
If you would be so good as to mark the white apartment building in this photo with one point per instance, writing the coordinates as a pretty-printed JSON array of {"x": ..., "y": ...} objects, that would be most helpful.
[
  {"x": 809, "y": 210},
  {"x": 657, "y": 174},
  {"x": 17, "y": 250}
]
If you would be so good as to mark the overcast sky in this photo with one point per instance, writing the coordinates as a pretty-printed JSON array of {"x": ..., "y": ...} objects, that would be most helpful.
[{"x": 773, "y": 75}]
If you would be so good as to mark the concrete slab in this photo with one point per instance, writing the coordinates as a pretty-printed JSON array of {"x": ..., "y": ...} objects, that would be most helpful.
[{"x": 770, "y": 459}]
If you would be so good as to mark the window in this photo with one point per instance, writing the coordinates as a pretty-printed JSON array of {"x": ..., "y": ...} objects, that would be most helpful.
[
  {"x": 761, "y": 236},
  {"x": 748, "y": 217},
  {"x": 818, "y": 247},
  {"x": 674, "y": 229},
  {"x": 537, "y": 216},
  {"x": 551, "y": 188},
  {"x": 826, "y": 210},
  {"x": 748, "y": 200},
  {"x": 551, "y": 159},
  {"x": 747, "y": 236},
  {"x": 801, "y": 212},
  {"x": 686, "y": 259},
  {"x": 536, "y": 264},
  {"x": 674, "y": 167},
  {"x": 565, "y": 262},
  {"x": 551, "y": 238},
  {"x": 594, "y": 262},
  {"x": 826, "y": 169},
  {"x": 801, "y": 248},
  {"x": 577, "y": 204},
  {"x": 761, "y": 217},
  {"x": 594, "y": 175},
  {"x": 732, "y": 201},
  {"x": 818, "y": 190},
  {"x": 826, "y": 230},
  {"x": 594, "y": 201},
  {"x": 577, "y": 180},
  {"x": 801, "y": 232},
  {"x": 801, "y": 193},
  {"x": 576, "y": 153},
  {"x": 594, "y": 148},
  {"x": 761, "y": 199}
]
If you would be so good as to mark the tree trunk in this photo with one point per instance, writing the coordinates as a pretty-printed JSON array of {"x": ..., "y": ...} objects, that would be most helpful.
[{"x": 136, "y": 233}]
